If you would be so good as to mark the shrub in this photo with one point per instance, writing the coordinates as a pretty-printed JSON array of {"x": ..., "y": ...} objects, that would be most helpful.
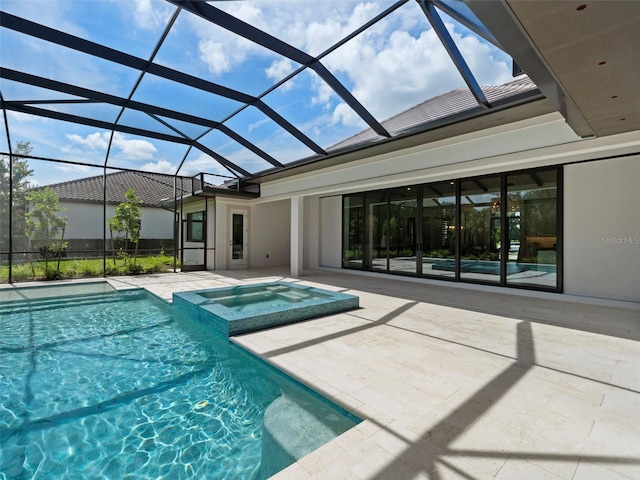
[
  {"x": 113, "y": 270},
  {"x": 51, "y": 273},
  {"x": 4, "y": 274},
  {"x": 85, "y": 268},
  {"x": 134, "y": 268},
  {"x": 21, "y": 272},
  {"x": 158, "y": 264}
]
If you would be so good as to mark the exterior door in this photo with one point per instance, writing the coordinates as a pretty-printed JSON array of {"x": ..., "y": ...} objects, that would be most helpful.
[
  {"x": 193, "y": 254},
  {"x": 238, "y": 239}
]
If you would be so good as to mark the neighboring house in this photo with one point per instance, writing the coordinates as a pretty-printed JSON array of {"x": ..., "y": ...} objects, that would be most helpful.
[{"x": 84, "y": 202}]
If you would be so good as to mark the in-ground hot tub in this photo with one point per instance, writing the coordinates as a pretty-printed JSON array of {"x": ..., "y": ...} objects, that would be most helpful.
[{"x": 247, "y": 308}]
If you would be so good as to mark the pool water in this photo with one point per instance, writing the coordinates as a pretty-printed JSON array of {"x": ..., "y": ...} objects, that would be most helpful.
[
  {"x": 254, "y": 298},
  {"x": 119, "y": 385}
]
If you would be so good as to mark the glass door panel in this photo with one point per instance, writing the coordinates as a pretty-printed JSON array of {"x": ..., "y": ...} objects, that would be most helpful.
[
  {"x": 439, "y": 229},
  {"x": 403, "y": 212},
  {"x": 480, "y": 229},
  {"x": 353, "y": 231},
  {"x": 378, "y": 231},
  {"x": 533, "y": 228},
  {"x": 237, "y": 239}
]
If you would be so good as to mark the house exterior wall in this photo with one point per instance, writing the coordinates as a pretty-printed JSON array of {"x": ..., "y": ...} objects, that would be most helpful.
[
  {"x": 600, "y": 207},
  {"x": 85, "y": 221},
  {"x": 269, "y": 234},
  {"x": 223, "y": 209},
  {"x": 331, "y": 231},
  {"x": 602, "y": 229}
]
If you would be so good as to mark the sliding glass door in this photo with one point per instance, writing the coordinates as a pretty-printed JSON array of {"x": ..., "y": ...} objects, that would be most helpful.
[
  {"x": 480, "y": 216},
  {"x": 439, "y": 229},
  {"x": 403, "y": 213},
  {"x": 377, "y": 225},
  {"x": 502, "y": 229},
  {"x": 533, "y": 228},
  {"x": 353, "y": 231}
]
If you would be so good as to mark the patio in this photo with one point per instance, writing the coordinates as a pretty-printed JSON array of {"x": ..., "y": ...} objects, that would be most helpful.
[{"x": 457, "y": 383}]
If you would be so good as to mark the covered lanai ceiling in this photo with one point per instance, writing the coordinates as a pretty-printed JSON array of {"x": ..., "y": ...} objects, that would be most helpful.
[
  {"x": 240, "y": 89},
  {"x": 583, "y": 54}
]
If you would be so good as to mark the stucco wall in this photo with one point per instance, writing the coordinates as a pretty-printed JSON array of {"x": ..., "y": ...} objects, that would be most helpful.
[
  {"x": 331, "y": 231},
  {"x": 602, "y": 229},
  {"x": 269, "y": 234},
  {"x": 85, "y": 221}
]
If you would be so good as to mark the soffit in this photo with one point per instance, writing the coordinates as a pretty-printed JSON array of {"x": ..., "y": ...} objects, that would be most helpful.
[{"x": 583, "y": 55}]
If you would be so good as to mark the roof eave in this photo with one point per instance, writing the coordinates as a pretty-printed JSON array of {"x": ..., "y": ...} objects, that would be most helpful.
[{"x": 207, "y": 192}]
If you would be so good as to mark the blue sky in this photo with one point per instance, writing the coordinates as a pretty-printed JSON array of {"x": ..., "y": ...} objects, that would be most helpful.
[{"x": 394, "y": 65}]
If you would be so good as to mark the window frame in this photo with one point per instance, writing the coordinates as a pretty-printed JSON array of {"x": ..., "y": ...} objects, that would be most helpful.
[{"x": 191, "y": 222}]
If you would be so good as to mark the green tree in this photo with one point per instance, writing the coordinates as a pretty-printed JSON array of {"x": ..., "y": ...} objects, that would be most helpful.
[
  {"x": 20, "y": 174},
  {"x": 45, "y": 227},
  {"x": 127, "y": 219}
]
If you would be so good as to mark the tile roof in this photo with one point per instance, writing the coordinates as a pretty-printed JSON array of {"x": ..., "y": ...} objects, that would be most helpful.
[
  {"x": 151, "y": 188},
  {"x": 437, "y": 108}
]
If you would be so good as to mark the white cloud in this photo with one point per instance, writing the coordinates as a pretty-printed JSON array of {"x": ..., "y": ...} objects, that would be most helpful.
[
  {"x": 56, "y": 14},
  {"x": 150, "y": 15},
  {"x": 482, "y": 61},
  {"x": 94, "y": 141},
  {"x": 49, "y": 173},
  {"x": 390, "y": 74},
  {"x": 280, "y": 69},
  {"x": 131, "y": 149},
  {"x": 161, "y": 166},
  {"x": 213, "y": 54},
  {"x": 134, "y": 149},
  {"x": 20, "y": 117},
  {"x": 322, "y": 93},
  {"x": 222, "y": 50},
  {"x": 257, "y": 124},
  {"x": 202, "y": 163}
]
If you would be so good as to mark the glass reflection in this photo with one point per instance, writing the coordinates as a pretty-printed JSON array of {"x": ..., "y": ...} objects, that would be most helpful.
[
  {"x": 480, "y": 229},
  {"x": 403, "y": 212},
  {"x": 378, "y": 231},
  {"x": 353, "y": 231},
  {"x": 533, "y": 228},
  {"x": 439, "y": 229}
]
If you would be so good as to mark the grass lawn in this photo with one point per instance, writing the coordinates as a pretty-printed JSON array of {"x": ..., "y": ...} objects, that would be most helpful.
[{"x": 83, "y": 268}]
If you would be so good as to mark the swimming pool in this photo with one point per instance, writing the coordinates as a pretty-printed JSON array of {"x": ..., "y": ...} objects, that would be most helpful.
[{"x": 118, "y": 385}]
